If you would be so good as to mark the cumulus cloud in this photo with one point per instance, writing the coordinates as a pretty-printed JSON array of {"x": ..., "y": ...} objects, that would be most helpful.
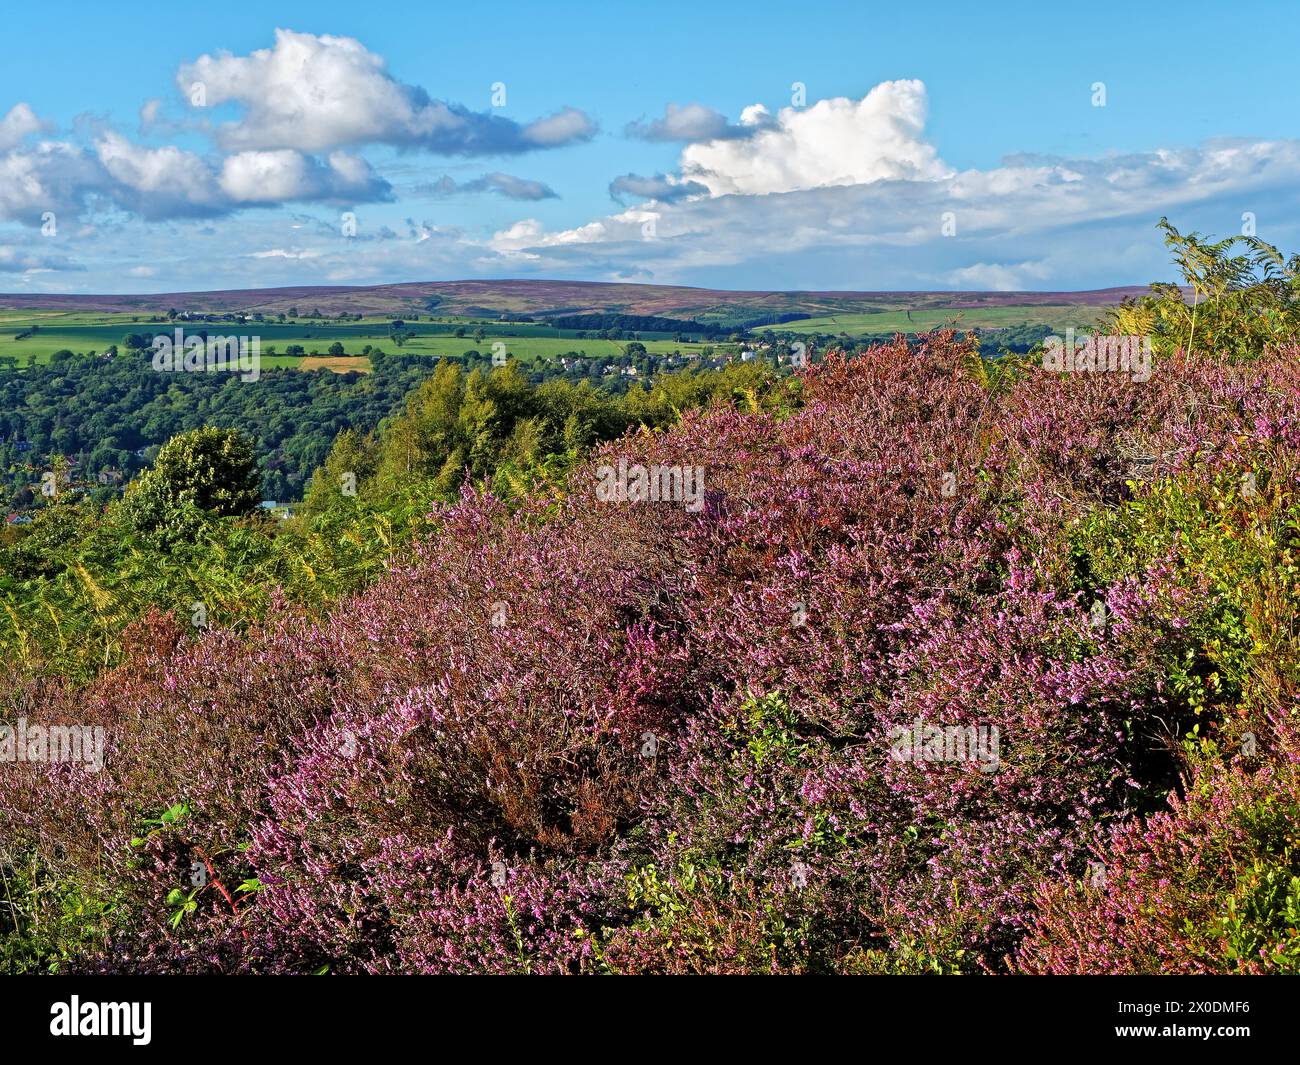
[
  {"x": 287, "y": 253},
  {"x": 160, "y": 182},
  {"x": 834, "y": 142},
  {"x": 999, "y": 277},
  {"x": 15, "y": 260},
  {"x": 254, "y": 177},
  {"x": 529, "y": 234},
  {"x": 314, "y": 93},
  {"x": 53, "y": 177},
  {"x": 567, "y": 126},
  {"x": 507, "y": 185},
  {"x": 846, "y": 193},
  {"x": 666, "y": 188},
  {"x": 696, "y": 122},
  {"x": 19, "y": 124},
  {"x": 169, "y": 182},
  {"x": 912, "y": 222}
]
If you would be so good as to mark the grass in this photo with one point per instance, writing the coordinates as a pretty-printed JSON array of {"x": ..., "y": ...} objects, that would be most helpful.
[
  {"x": 524, "y": 341},
  {"x": 345, "y": 364},
  {"x": 1057, "y": 316}
]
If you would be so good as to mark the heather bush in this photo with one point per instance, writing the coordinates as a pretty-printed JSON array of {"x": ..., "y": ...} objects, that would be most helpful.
[
  {"x": 1210, "y": 886},
  {"x": 568, "y": 735}
]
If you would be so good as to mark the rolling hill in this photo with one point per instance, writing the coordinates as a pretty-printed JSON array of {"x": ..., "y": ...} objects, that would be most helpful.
[{"x": 492, "y": 298}]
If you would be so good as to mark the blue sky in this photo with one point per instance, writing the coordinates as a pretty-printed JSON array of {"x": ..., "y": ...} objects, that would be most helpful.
[{"x": 932, "y": 146}]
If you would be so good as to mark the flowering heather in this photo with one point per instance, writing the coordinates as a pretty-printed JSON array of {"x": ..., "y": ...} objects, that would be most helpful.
[{"x": 582, "y": 735}]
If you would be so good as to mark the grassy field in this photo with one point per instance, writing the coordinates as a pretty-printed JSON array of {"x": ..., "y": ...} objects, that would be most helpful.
[
  {"x": 36, "y": 335},
  {"x": 346, "y": 364},
  {"x": 898, "y": 321}
]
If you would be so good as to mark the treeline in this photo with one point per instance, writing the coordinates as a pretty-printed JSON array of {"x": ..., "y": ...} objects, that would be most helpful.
[
  {"x": 636, "y": 323},
  {"x": 188, "y": 537},
  {"x": 496, "y": 426},
  {"x": 108, "y": 416}
]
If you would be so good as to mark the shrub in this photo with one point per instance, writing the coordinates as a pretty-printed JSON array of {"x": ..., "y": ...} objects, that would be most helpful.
[{"x": 565, "y": 735}]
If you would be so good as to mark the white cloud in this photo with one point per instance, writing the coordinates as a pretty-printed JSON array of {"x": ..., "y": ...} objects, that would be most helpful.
[
  {"x": 149, "y": 112},
  {"x": 507, "y": 185},
  {"x": 170, "y": 182},
  {"x": 1032, "y": 223},
  {"x": 20, "y": 123},
  {"x": 15, "y": 260},
  {"x": 281, "y": 176},
  {"x": 287, "y": 253},
  {"x": 842, "y": 194},
  {"x": 662, "y": 187},
  {"x": 50, "y": 177},
  {"x": 999, "y": 277},
  {"x": 529, "y": 234},
  {"x": 833, "y": 142},
  {"x": 566, "y": 126},
  {"x": 160, "y": 182},
  {"x": 682, "y": 122},
  {"x": 313, "y": 93},
  {"x": 697, "y": 123}
]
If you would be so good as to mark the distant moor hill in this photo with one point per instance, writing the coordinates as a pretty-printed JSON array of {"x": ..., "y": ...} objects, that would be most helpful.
[{"x": 549, "y": 299}]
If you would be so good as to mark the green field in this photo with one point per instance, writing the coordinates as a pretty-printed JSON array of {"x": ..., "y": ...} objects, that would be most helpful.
[
  {"x": 1057, "y": 316},
  {"x": 38, "y": 334},
  {"x": 524, "y": 341}
]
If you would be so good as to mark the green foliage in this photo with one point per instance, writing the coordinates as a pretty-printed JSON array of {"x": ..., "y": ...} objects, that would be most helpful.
[
  {"x": 1260, "y": 917},
  {"x": 187, "y": 535},
  {"x": 203, "y": 473},
  {"x": 496, "y": 427},
  {"x": 112, "y": 415},
  {"x": 1245, "y": 297},
  {"x": 1236, "y": 534},
  {"x": 48, "y": 920}
]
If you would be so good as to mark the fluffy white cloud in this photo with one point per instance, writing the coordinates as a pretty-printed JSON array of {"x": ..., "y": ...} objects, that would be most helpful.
[
  {"x": 160, "y": 182},
  {"x": 281, "y": 176},
  {"x": 696, "y": 122},
  {"x": 833, "y": 142},
  {"x": 50, "y": 177},
  {"x": 841, "y": 194},
  {"x": 530, "y": 235},
  {"x": 526, "y": 233},
  {"x": 682, "y": 122},
  {"x": 567, "y": 126},
  {"x": 910, "y": 221},
  {"x": 314, "y": 93},
  {"x": 19, "y": 124},
  {"x": 170, "y": 182},
  {"x": 999, "y": 277}
]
